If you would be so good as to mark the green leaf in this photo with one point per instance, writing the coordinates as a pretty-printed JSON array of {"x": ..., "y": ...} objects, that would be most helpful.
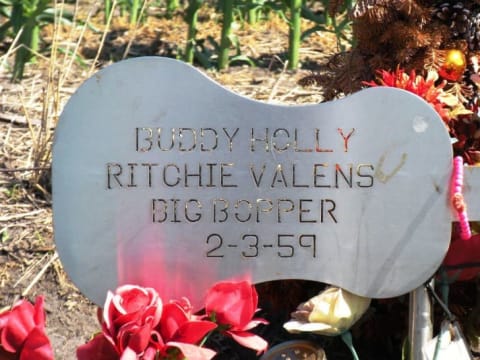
[
  {"x": 78, "y": 59},
  {"x": 4, "y": 236},
  {"x": 203, "y": 59},
  {"x": 243, "y": 58},
  {"x": 5, "y": 12},
  {"x": 312, "y": 30},
  {"x": 49, "y": 15},
  {"x": 233, "y": 38}
]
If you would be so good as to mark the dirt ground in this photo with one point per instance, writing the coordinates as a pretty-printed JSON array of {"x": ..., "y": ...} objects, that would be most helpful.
[{"x": 29, "y": 265}]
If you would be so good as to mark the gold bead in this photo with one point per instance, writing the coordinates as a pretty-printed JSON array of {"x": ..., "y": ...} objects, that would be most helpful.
[{"x": 454, "y": 65}]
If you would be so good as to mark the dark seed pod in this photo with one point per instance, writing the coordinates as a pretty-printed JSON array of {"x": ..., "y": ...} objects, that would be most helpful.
[{"x": 463, "y": 22}]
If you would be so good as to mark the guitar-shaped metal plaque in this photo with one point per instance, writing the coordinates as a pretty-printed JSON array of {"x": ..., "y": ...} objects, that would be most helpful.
[{"x": 163, "y": 178}]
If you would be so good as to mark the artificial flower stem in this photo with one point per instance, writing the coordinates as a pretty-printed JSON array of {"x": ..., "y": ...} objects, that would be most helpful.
[
  {"x": 204, "y": 340},
  {"x": 347, "y": 339}
]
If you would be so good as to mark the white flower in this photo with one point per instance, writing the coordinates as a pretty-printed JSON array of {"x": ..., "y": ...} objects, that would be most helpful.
[{"x": 331, "y": 312}]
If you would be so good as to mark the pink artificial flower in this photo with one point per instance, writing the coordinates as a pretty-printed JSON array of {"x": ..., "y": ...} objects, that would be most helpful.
[
  {"x": 98, "y": 348},
  {"x": 426, "y": 88},
  {"x": 129, "y": 317},
  {"x": 180, "y": 329},
  {"x": 136, "y": 325},
  {"x": 22, "y": 332},
  {"x": 232, "y": 305}
]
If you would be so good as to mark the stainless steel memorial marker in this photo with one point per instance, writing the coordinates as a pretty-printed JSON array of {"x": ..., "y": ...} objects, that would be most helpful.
[{"x": 163, "y": 178}]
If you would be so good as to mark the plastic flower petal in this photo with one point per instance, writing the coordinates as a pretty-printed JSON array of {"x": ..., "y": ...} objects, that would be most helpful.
[
  {"x": 128, "y": 304},
  {"x": 249, "y": 340},
  {"x": 179, "y": 329},
  {"x": 173, "y": 317},
  {"x": 332, "y": 312},
  {"x": 19, "y": 323},
  {"x": 445, "y": 104},
  {"x": 37, "y": 346},
  {"x": 99, "y": 348},
  {"x": 129, "y": 317},
  {"x": 22, "y": 331},
  {"x": 193, "y": 352},
  {"x": 232, "y": 305}
]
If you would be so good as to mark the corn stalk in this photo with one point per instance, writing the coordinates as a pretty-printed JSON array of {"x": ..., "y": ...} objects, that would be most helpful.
[
  {"x": 225, "y": 41},
  {"x": 172, "y": 5},
  {"x": 134, "y": 10},
  {"x": 294, "y": 35},
  {"x": 107, "y": 9},
  {"x": 24, "y": 21},
  {"x": 192, "y": 19},
  {"x": 252, "y": 12}
]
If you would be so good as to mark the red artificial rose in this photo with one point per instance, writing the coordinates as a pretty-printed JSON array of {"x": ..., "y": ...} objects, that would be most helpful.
[
  {"x": 137, "y": 325},
  {"x": 232, "y": 305},
  {"x": 179, "y": 328},
  {"x": 129, "y": 316},
  {"x": 22, "y": 332},
  {"x": 99, "y": 348}
]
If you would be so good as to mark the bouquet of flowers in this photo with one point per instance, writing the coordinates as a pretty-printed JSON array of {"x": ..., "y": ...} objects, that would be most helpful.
[{"x": 137, "y": 324}]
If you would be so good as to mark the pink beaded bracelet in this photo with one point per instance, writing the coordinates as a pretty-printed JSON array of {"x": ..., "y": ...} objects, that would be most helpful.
[{"x": 458, "y": 202}]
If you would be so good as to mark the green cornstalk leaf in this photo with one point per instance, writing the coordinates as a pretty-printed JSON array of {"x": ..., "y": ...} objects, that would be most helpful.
[
  {"x": 325, "y": 23},
  {"x": 134, "y": 10},
  {"x": 294, "y": 33},
  {"x": 243, "y": 58},
  {"x": 49, "y": 15},
  {"x": 26, "y": 17},
  {"x": 255, "y": 8},
  {"x": 234, "y": 40},
  {"x": 172, "y": 6},
  {"x": 253, "y": 15},
  {"x": 17, "y": 18},
  {"x": 340, "y": 31},
  {"x": 226, "y": 34},
  {"x": 78, "y": 59},
  {"x": 107, "y": 9},
  {"x": 192, "y": 19},
  {"x": 29, "y": 41},
  {"x": 5, "y": 8},
  {"x": 313, "y": 30}
]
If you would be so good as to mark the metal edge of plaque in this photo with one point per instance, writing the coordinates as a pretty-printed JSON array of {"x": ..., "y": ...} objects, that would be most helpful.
[{"x": 168, "y": 65}]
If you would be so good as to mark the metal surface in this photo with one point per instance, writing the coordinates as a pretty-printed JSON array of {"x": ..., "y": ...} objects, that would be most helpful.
[
  {"x": 420, "y": 320},
  {"x": 163, "y": 178}
]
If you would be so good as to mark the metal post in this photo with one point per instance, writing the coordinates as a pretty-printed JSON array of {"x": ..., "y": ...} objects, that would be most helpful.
[{"x": 420, "y": 319}]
